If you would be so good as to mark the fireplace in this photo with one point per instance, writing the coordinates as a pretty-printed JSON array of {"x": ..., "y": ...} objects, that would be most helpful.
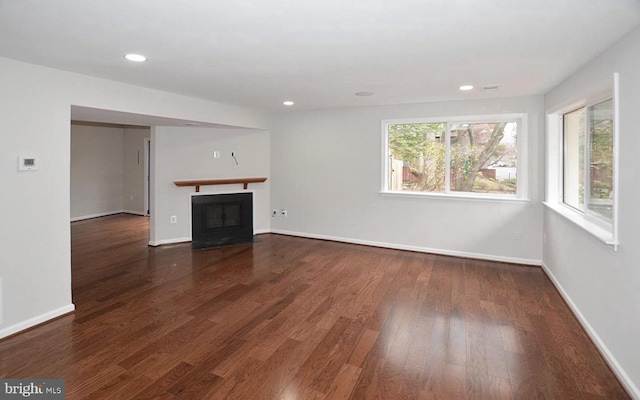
[{"x": 221, "y": 220}]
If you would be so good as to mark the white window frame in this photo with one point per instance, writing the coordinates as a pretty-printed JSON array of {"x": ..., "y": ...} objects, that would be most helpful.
[
  {"x": 593, "y": 223},
  {"x": 521, "y": 163},
  {"x": 597, "y": 218}
]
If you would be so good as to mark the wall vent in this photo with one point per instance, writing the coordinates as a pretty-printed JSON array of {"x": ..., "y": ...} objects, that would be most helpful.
[{"x": 490, "y": 88}]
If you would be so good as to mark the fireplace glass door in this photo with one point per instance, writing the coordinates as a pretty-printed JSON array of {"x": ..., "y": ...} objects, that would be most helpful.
[{"x": 221, "y": 219}]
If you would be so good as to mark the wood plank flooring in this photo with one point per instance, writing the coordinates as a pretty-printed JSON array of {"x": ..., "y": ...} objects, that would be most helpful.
[{"x": 293, "y": 318}]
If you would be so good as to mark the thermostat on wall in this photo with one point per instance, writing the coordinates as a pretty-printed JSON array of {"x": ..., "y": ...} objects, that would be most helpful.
[{"x": 27, "y": 163}]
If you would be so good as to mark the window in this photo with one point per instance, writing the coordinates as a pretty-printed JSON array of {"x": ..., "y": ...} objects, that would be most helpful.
[
  {"x": 582, "y": 163},
  {"x": 468, "y": 156},
  {"x": 588, "y": 160}
]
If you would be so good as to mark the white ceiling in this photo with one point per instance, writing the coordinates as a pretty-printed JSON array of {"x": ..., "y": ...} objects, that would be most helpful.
[{"x": 318, "y": 53}]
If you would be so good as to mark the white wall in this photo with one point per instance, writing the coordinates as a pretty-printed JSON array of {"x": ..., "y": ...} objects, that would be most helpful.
[
  {"x": 96, "y": 170},
  {"x": 186, "y": 154},
  {"x": 35, "y": 262},
  {"x": 604, "y": 285},
  {"x": 107, "y": 170},
  {"x": 326, "y": 168},
  {"x": 133, "y": 165}
]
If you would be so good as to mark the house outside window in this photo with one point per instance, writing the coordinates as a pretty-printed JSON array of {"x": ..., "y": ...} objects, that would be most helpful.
[{"x": 463, "y": 156}]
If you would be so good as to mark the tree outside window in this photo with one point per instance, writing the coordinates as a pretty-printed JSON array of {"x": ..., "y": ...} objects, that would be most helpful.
[{"x": 444, "y": 157}]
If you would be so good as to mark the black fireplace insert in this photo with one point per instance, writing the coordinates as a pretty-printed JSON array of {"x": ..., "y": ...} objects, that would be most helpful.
[{"x": 221, "y": 219}]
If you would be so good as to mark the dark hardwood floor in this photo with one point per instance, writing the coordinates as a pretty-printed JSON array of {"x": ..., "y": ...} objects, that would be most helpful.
[{"x": 292, "y": 318}]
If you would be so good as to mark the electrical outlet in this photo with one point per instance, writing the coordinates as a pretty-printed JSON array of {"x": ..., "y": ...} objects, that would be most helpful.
[
  {"x": 274, "y": 214},
  {"x": 284, "y": 212},
  {"x": 130, "y": 197},
  {"x": 173, "y": 219},
  {"x": 216, "y": 154}
]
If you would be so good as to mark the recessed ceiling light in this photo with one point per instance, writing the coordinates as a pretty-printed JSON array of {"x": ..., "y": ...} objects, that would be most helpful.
[
  {"x": 135, "y": 57},
  {"x": 288, "y": 103},
  {"x": 465, "y": 88},
  {"x": 365, "y": 94}
]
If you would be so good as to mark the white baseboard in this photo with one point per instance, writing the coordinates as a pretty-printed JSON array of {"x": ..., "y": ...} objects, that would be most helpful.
[
  {"x": 454, "y": 253},
  {"x": 463, "y": 254},
  {"x": 609, "y": 358},
  {"x": 31, "y": 322},
  {"x": 155, "y": 243},
  {"x": 104, "y": 214},
  {"x": 134, "y": 212}
]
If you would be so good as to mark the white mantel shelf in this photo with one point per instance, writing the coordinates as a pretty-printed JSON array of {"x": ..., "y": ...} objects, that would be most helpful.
[{"x": 204, "y": 182}]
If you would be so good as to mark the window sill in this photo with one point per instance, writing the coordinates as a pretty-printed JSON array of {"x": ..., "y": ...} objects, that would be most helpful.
[
  {"x": 597, "y": 231},
  {"x": 452, "y": 196}
]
